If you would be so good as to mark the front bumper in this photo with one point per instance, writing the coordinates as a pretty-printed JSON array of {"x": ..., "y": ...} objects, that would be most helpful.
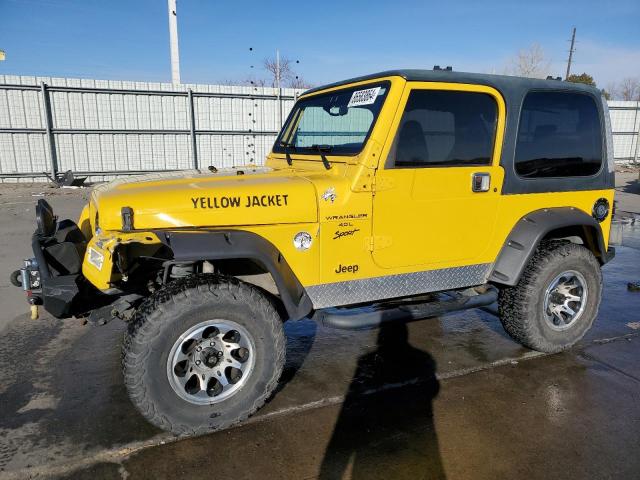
[
  {"x": 53, "y": 277},
  {"x": 57, "y": 294}
]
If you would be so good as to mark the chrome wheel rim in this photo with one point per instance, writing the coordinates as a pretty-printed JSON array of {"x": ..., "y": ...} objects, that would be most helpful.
[
  {"x": 211, "y": 361},
  {"x": 565, "y": 300}
]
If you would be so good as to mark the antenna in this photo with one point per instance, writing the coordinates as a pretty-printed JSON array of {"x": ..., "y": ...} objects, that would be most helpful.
[{"x": 571, "y": 50}]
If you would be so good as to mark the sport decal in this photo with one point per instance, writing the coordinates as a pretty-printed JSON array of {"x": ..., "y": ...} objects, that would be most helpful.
[{"x": 345, "y": 233}]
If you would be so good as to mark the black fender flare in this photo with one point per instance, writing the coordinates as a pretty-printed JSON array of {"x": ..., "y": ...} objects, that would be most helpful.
[
  {"x": 238, "y": 244},
  {"x": 529, "y": 231}
]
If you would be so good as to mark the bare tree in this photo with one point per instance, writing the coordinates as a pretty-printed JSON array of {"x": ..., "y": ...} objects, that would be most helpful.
[
  {"x": 299, "y": 82},
  {"x": 530, "y": 62},
  {"x": 227, "y": 82},
  {"x": 286, "y": 70},
  {"x": 255, "y": 82},
  {"x": 629, "y": 89},
  {"x": 288, "y": 77},
  {"x": 612, "y": 90}
]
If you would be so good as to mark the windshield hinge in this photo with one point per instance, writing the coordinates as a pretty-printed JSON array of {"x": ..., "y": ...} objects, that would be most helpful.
[{"x": 381, "y": 182}]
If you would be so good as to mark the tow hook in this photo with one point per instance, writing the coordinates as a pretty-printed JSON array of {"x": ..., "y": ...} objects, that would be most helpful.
[{"x": 28, "y": 278}]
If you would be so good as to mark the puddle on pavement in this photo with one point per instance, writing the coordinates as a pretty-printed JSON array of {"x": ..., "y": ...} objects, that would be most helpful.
[{"x": 625, "y": 231}]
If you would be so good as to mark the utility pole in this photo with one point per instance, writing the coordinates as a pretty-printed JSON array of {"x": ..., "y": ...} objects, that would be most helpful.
[
  {"x": 571, "y": 50},
  {"x": 173, "y": 42}
]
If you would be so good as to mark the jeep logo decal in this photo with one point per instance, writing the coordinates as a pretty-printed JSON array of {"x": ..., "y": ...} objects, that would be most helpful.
[{"x": 347, "y": 268}]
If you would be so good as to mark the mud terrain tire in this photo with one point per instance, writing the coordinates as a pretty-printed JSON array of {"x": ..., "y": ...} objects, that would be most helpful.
[
  {"x": 522, "y": 307},
  {"x": 162, "y": 320}
]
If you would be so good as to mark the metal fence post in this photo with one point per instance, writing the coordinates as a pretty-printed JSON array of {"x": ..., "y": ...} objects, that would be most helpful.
[
  {"x": 192, "y": 129},
  {"x": 635, "y": 155},
  {"x": 279, "y": 108},
  {"x": 48, "y": 123}
]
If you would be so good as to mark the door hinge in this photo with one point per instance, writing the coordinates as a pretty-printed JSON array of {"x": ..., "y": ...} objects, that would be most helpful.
[
  {"x": 377, "y": 242},
  {"x": 381, "y": 183}
]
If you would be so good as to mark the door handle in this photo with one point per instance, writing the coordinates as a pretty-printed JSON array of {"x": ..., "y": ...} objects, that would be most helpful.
[{"x": 481, "y": 182}]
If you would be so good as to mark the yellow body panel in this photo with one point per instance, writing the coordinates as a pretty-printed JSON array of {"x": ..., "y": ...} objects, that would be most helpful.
[
  {"x": 209, "y": 200},
  {"x": 365, "y": 220},
  {"x": 425, "y": 211}
]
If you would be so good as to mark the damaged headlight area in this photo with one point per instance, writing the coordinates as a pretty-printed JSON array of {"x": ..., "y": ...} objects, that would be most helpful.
[{"x": 95, "y": 258}]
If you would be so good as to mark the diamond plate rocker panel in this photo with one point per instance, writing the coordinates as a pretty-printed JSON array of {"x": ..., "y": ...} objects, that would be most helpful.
[{"x": 393, "y": 286}]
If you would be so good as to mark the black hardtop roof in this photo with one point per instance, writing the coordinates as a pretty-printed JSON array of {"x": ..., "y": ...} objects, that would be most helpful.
[{"x": 499, "y": 82}]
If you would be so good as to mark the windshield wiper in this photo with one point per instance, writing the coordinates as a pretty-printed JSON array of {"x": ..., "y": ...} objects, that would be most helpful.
[
  {"x": 321, "y": 149},
  {"x": 287, "y": 146}
]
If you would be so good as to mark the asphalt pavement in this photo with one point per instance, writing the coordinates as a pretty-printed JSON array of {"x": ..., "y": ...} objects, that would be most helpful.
[{"x": 449, "y": 397}]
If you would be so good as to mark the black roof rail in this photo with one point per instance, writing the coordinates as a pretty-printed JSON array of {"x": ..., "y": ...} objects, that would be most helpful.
[
  {"x": 448, "y": 68},
  {"x": 551, "y": 77}
]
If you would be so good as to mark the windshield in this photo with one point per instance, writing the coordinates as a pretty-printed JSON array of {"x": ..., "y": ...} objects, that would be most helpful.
[{"x": 338, "y": 122}]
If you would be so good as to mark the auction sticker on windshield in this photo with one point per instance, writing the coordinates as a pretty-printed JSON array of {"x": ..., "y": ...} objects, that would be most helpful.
[{"x": 364, "y": 97}]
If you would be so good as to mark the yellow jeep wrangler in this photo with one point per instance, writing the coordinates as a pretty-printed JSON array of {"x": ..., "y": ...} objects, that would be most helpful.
[{"x": 378, "y": 190}]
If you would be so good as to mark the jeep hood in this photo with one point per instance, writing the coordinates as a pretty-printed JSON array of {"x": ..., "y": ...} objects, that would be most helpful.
[{"x": 259, "y": 196}]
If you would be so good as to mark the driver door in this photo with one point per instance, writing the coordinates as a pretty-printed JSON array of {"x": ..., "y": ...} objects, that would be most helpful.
[{"x": 437, "y": 194}]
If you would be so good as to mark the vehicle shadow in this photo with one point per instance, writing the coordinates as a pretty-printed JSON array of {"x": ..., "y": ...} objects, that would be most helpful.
[
  {"x": 385, "y": 428},
  {"x": 632, "y": 186}
]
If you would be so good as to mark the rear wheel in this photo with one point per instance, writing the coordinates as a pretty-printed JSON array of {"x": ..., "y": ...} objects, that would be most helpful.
[
  {"x": 202, "y": 354},
  {"x": 556, "y": 300}
]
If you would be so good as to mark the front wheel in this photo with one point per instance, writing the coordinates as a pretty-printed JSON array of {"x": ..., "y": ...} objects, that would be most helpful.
[
  {"x": 556, "y": 300},
  {"x": 202, "y": 354}
]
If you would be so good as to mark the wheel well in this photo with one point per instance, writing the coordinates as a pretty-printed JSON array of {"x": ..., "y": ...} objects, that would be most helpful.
[
  {"x": 580, "y": 234},
  {"x": 566, "y": 223},
  {"x": 239, "y": 253}
]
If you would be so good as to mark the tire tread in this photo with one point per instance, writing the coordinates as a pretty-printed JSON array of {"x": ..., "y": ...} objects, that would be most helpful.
[
  {"x": 147, "y": 324},
  {"x": 515, "y": 304}
]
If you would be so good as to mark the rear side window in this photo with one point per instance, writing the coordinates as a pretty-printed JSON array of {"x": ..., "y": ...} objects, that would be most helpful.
[
  {"x": 559, "y": 135},
  {"x": 445, "y": 128}
]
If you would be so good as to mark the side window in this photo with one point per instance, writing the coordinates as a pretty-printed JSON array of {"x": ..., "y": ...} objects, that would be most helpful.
[
  {"x": 559, "y": 135},
  {"x": 445, "y": 128}
]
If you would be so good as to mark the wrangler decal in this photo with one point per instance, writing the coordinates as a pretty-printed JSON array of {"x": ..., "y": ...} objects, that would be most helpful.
[{"x": 350, "y": 216}]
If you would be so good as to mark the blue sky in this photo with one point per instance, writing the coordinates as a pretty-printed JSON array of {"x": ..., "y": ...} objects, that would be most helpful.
[{"x": 119, "y": 39}]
